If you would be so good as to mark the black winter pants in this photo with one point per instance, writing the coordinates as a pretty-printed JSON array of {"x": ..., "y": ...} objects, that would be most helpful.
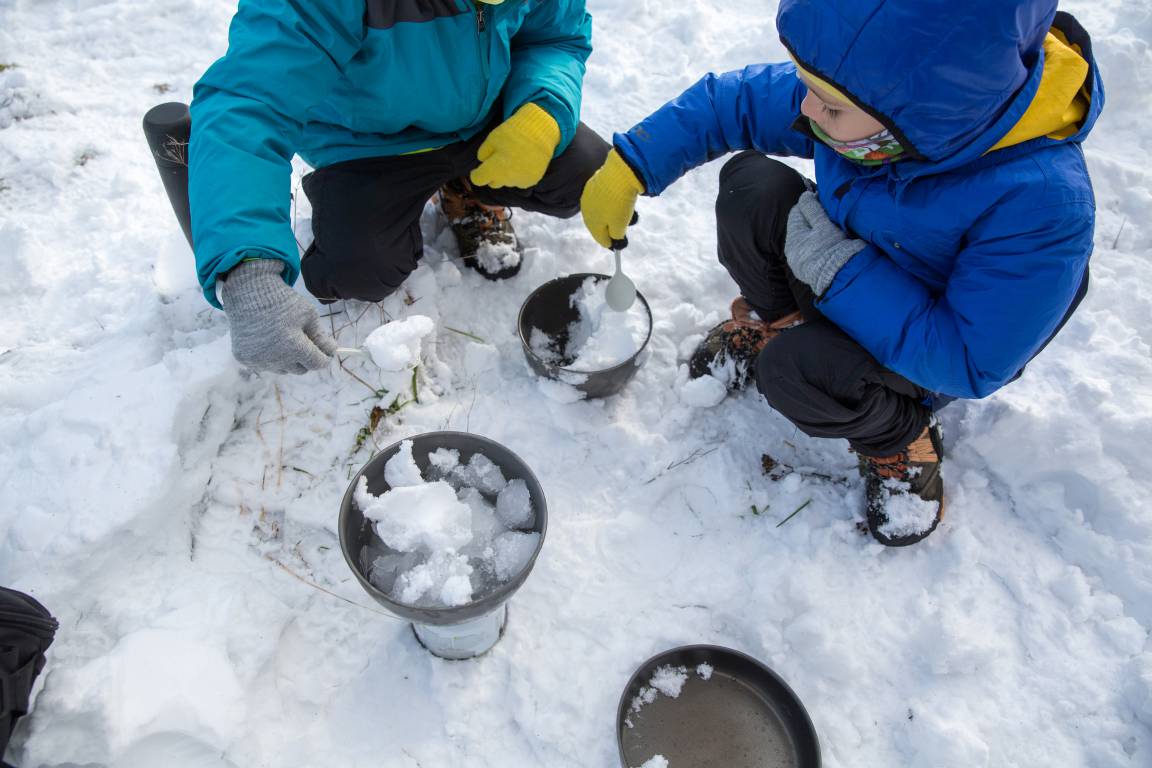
[
  {"x": 814, "y": 374},
  {"x": 366, "y": 213}
]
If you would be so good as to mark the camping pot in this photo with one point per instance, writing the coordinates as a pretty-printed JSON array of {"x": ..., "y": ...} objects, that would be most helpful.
[
  {"x": 549, "y": 310},
  {"x": 460, "y": 632}
]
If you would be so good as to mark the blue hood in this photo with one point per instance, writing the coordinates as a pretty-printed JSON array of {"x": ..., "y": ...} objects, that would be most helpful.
[{"x": 949, "y": 78}]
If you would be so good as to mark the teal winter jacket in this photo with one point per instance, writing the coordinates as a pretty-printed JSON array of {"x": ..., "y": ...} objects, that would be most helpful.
[{"x": 335, "y": 80}]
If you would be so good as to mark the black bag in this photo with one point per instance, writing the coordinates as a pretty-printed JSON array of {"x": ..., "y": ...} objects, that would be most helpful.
[{"x": 26, "y": 631}]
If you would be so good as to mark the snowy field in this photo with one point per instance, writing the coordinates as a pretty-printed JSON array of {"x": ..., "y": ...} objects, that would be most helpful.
[{"x": 169, "y": 508}]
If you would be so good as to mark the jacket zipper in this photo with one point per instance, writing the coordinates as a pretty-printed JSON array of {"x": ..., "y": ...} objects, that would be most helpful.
[{"x": 481, "y": 25}]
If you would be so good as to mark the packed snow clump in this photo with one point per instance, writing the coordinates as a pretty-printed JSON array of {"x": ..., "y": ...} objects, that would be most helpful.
[
  {"x": 703, "y": 392},
  {"x": 669, "y": 680},
  {"x": 449, "y": 537},
  {"x": 395, "y": 346},
  {"x": 600, "y": 338},
  {"x": 656, "y": 761},
  {"x": 908, "y": 514},
  {"x": 494, "y": 258}
]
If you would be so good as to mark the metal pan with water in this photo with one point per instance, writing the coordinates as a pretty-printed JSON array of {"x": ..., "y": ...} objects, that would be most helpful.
[
  {"x": 742, "y": 716},
  {"x": 549, "y": 310}
]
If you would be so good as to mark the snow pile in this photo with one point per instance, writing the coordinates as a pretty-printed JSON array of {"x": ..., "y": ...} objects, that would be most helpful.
[
  {"x": 704, "y": 671},
  {"x": 494, "y": 258},
  {"x": 603, "y": 337},
  {"x": 703, "y": 392},
  {"x": 452, "y": 538},
  {"x": 600, "y": 338},
  {"x": 656, "y": 761},
  {"x": 426, "y": 517},
  {"x": 395, "y": 346},
  {"x": 669, "y": 680},
  {"x": 907, "y": 513}
]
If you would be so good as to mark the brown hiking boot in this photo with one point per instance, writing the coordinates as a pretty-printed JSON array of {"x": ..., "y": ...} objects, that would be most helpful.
[
  {"x": 730, "y": 349},
  {"x": 905, "y": 492},
  {"x": 484, "y": 232}
]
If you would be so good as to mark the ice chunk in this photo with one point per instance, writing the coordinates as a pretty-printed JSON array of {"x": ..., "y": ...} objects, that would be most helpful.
[
  {"x": 485, "y": 525},
  {"x": 669, "y": 680},
  {"x": 401, "y": 469},
  {"x": 512, "y": 550},
  {"x": 704, "y": 671},
  {"x": 442, "y": 581},
  {"x": 395, "y": 346},
  {"x": 441, "y": 462},
  {"x": 481, "y": 473},
  {"x": 484, "y": 581},
  {"x": 387, "y": 568},
  {"x": 427, "y": 517},
  {"x": 514, "y": 506}
]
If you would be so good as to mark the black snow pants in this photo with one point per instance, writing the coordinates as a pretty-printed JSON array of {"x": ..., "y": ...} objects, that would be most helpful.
[
  {"x": 366, "y": 212},
  {"x": 815, "y": 375}
]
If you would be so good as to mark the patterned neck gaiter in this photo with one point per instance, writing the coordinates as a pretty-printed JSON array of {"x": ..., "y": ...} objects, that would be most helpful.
[{"x": 880, "y": 149}]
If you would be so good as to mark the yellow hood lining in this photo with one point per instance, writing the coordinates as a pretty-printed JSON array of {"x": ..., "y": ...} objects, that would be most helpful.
[{"x": 1061, "y": 102}]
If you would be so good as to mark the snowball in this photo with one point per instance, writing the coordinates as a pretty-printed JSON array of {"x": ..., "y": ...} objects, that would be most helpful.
[
  {"x": 395, "y": 346},
  {"x": 704, "y": 392},
  {"x": 427, "y": 517},
  {"x": 704, "y": 671},
  {"x": 401, "y": 469},
  {"x": 514, "y": 506},
  {"x": 669, "y": 680},
  {"x": 513, "y": 550},
  {"x": 908, "y": 514},
  {"x": 602, "y": 337},
  {"x": 443, "y": 580}
]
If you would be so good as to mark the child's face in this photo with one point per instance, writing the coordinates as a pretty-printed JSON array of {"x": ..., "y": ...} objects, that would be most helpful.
[{"x": 841, "y": 120}]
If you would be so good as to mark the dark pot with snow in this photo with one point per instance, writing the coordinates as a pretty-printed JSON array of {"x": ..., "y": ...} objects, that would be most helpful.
[
  {"x": 442, "y": 529},
  {"x": 570, "y": 335}
]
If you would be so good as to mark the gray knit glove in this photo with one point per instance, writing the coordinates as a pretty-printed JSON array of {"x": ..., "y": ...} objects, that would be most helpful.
[
  {"x": 815, "y": 247},
  {"x": 273, "y": 327}
]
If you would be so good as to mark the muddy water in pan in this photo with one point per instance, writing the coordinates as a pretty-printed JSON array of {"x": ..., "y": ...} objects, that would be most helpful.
[{"x": 718, "y": 723}]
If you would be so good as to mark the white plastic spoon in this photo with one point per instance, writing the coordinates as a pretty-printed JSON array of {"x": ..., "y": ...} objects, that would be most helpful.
[{"x": 620, "y": 294}]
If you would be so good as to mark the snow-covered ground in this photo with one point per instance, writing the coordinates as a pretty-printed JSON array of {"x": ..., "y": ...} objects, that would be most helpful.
[{"x": 167, "y": 507}]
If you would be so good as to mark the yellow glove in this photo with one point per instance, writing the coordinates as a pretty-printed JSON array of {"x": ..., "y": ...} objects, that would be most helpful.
[
  {"x": 609, "y": 200},
  {"x": 518, "y": 151}
]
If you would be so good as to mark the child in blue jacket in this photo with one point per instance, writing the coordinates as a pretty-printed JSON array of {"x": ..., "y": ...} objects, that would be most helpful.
[{"x": 946, "y": 239}]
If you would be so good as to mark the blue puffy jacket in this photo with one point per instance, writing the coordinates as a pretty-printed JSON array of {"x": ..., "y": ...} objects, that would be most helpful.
[
  {"x": 978, "y": 242},
  {"x": 335, "y": 80}
]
